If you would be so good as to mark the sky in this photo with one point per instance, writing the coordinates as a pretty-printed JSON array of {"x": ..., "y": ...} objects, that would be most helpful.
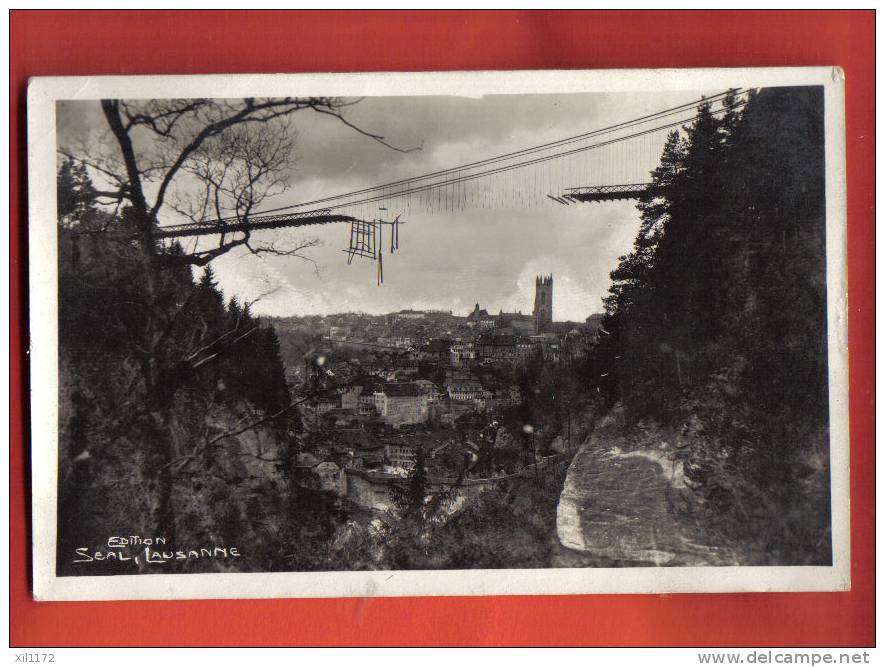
[{"x": 446, "y": 260}]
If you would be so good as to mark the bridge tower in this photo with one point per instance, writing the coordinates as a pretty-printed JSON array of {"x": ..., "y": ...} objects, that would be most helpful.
[{"x": 543, "y": 312}]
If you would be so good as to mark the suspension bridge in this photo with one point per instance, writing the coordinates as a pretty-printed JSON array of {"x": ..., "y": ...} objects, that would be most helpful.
[{"x": 607, "y": 164}]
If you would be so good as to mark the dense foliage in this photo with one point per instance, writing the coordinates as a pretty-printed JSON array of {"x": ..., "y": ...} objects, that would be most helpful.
[
  {"x": 156, "y": 389},
  {"x": 716, "y": 322}
]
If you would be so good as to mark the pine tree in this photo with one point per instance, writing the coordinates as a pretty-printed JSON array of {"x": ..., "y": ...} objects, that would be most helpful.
[
  {"x": 76, "y": 193},
  {"x": 718, "y": 315}
]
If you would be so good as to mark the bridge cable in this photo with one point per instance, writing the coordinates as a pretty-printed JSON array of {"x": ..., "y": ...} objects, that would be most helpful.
[{"x": 586, "y": 135}]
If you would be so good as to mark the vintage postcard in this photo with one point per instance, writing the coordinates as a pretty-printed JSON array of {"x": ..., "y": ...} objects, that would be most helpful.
[{"x": 438, "y": 334}]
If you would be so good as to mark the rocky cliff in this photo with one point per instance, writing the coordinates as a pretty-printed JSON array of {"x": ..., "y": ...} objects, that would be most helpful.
[{"x": 625, "y": 502}]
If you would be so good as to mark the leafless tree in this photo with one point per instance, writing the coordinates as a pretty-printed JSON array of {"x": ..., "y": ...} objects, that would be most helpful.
[{"x": 206, "y": 160}]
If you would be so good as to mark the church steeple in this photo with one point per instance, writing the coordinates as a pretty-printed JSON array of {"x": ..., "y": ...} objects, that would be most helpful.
[{"x": 543, "y": 311}]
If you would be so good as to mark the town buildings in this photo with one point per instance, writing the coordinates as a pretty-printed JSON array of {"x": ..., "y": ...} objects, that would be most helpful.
[
  {"x": 401, "y": 403},
  {"x": 401, "y": 455},
  {"x": 381, "y": 387}
]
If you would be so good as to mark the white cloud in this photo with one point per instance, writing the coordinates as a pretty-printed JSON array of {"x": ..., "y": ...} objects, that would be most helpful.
[{"x": 481, "y": 243}]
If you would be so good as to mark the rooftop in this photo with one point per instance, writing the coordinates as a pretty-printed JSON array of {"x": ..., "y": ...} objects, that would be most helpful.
[
  {"x": 465, "y": 384},
  {"x": 402, "y": 389}
]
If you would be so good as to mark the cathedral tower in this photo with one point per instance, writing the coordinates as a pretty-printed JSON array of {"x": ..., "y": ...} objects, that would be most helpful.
[{"x": 543, "y": 312}]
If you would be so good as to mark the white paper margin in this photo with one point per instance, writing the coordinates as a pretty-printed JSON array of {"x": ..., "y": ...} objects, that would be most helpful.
[{"x": 42, "y": 96}]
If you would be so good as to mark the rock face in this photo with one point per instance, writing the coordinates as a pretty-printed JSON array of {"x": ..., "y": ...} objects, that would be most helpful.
[{"x": 617, "y": 507}]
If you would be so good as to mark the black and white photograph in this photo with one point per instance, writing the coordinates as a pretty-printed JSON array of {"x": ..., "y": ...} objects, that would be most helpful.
[{"x": 457, "y": 333}]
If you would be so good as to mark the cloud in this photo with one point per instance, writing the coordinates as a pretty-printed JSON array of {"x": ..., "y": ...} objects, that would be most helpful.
[{"x": 478, "y": 242}]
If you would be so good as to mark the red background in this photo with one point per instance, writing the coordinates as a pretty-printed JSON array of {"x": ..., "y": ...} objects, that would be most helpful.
[{"x": 173, "y": 42}]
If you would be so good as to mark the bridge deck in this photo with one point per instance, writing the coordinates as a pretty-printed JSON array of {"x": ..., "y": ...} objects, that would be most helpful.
[
  {"x": 229, "y": 226},
  {"x": 600, "y": 193},
  {"x": 593, "y": 193}
]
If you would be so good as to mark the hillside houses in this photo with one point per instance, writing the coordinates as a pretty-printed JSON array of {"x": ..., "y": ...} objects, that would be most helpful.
[
  {"x": 463, "y": 351},
  {"x": 431, "y": 390},
  {"x": 465, "y": 390},
  {"x": 515, "y": 323},
  {"x": 480, "y": 319},
  {"x": 401, "y": 403},
  {"x": 401, "y": 455},
  {"x": 394, "y": 403},
  {"x": 380, "y": 388}
]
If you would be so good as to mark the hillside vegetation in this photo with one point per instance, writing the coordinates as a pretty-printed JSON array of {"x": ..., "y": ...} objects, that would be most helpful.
[
  {"x": 189, "y": 470},
  {"x": 715, "y": 325}
]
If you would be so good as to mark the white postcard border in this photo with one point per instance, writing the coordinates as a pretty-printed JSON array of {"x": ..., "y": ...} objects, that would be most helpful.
[{"x": 42, "y": 96}]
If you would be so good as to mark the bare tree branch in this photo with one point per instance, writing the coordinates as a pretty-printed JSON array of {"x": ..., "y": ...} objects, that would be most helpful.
[
  {"x": 297, "y": 251},
  {"x": 376, "y": 137},
  {"x": 158, "y": 140}
]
